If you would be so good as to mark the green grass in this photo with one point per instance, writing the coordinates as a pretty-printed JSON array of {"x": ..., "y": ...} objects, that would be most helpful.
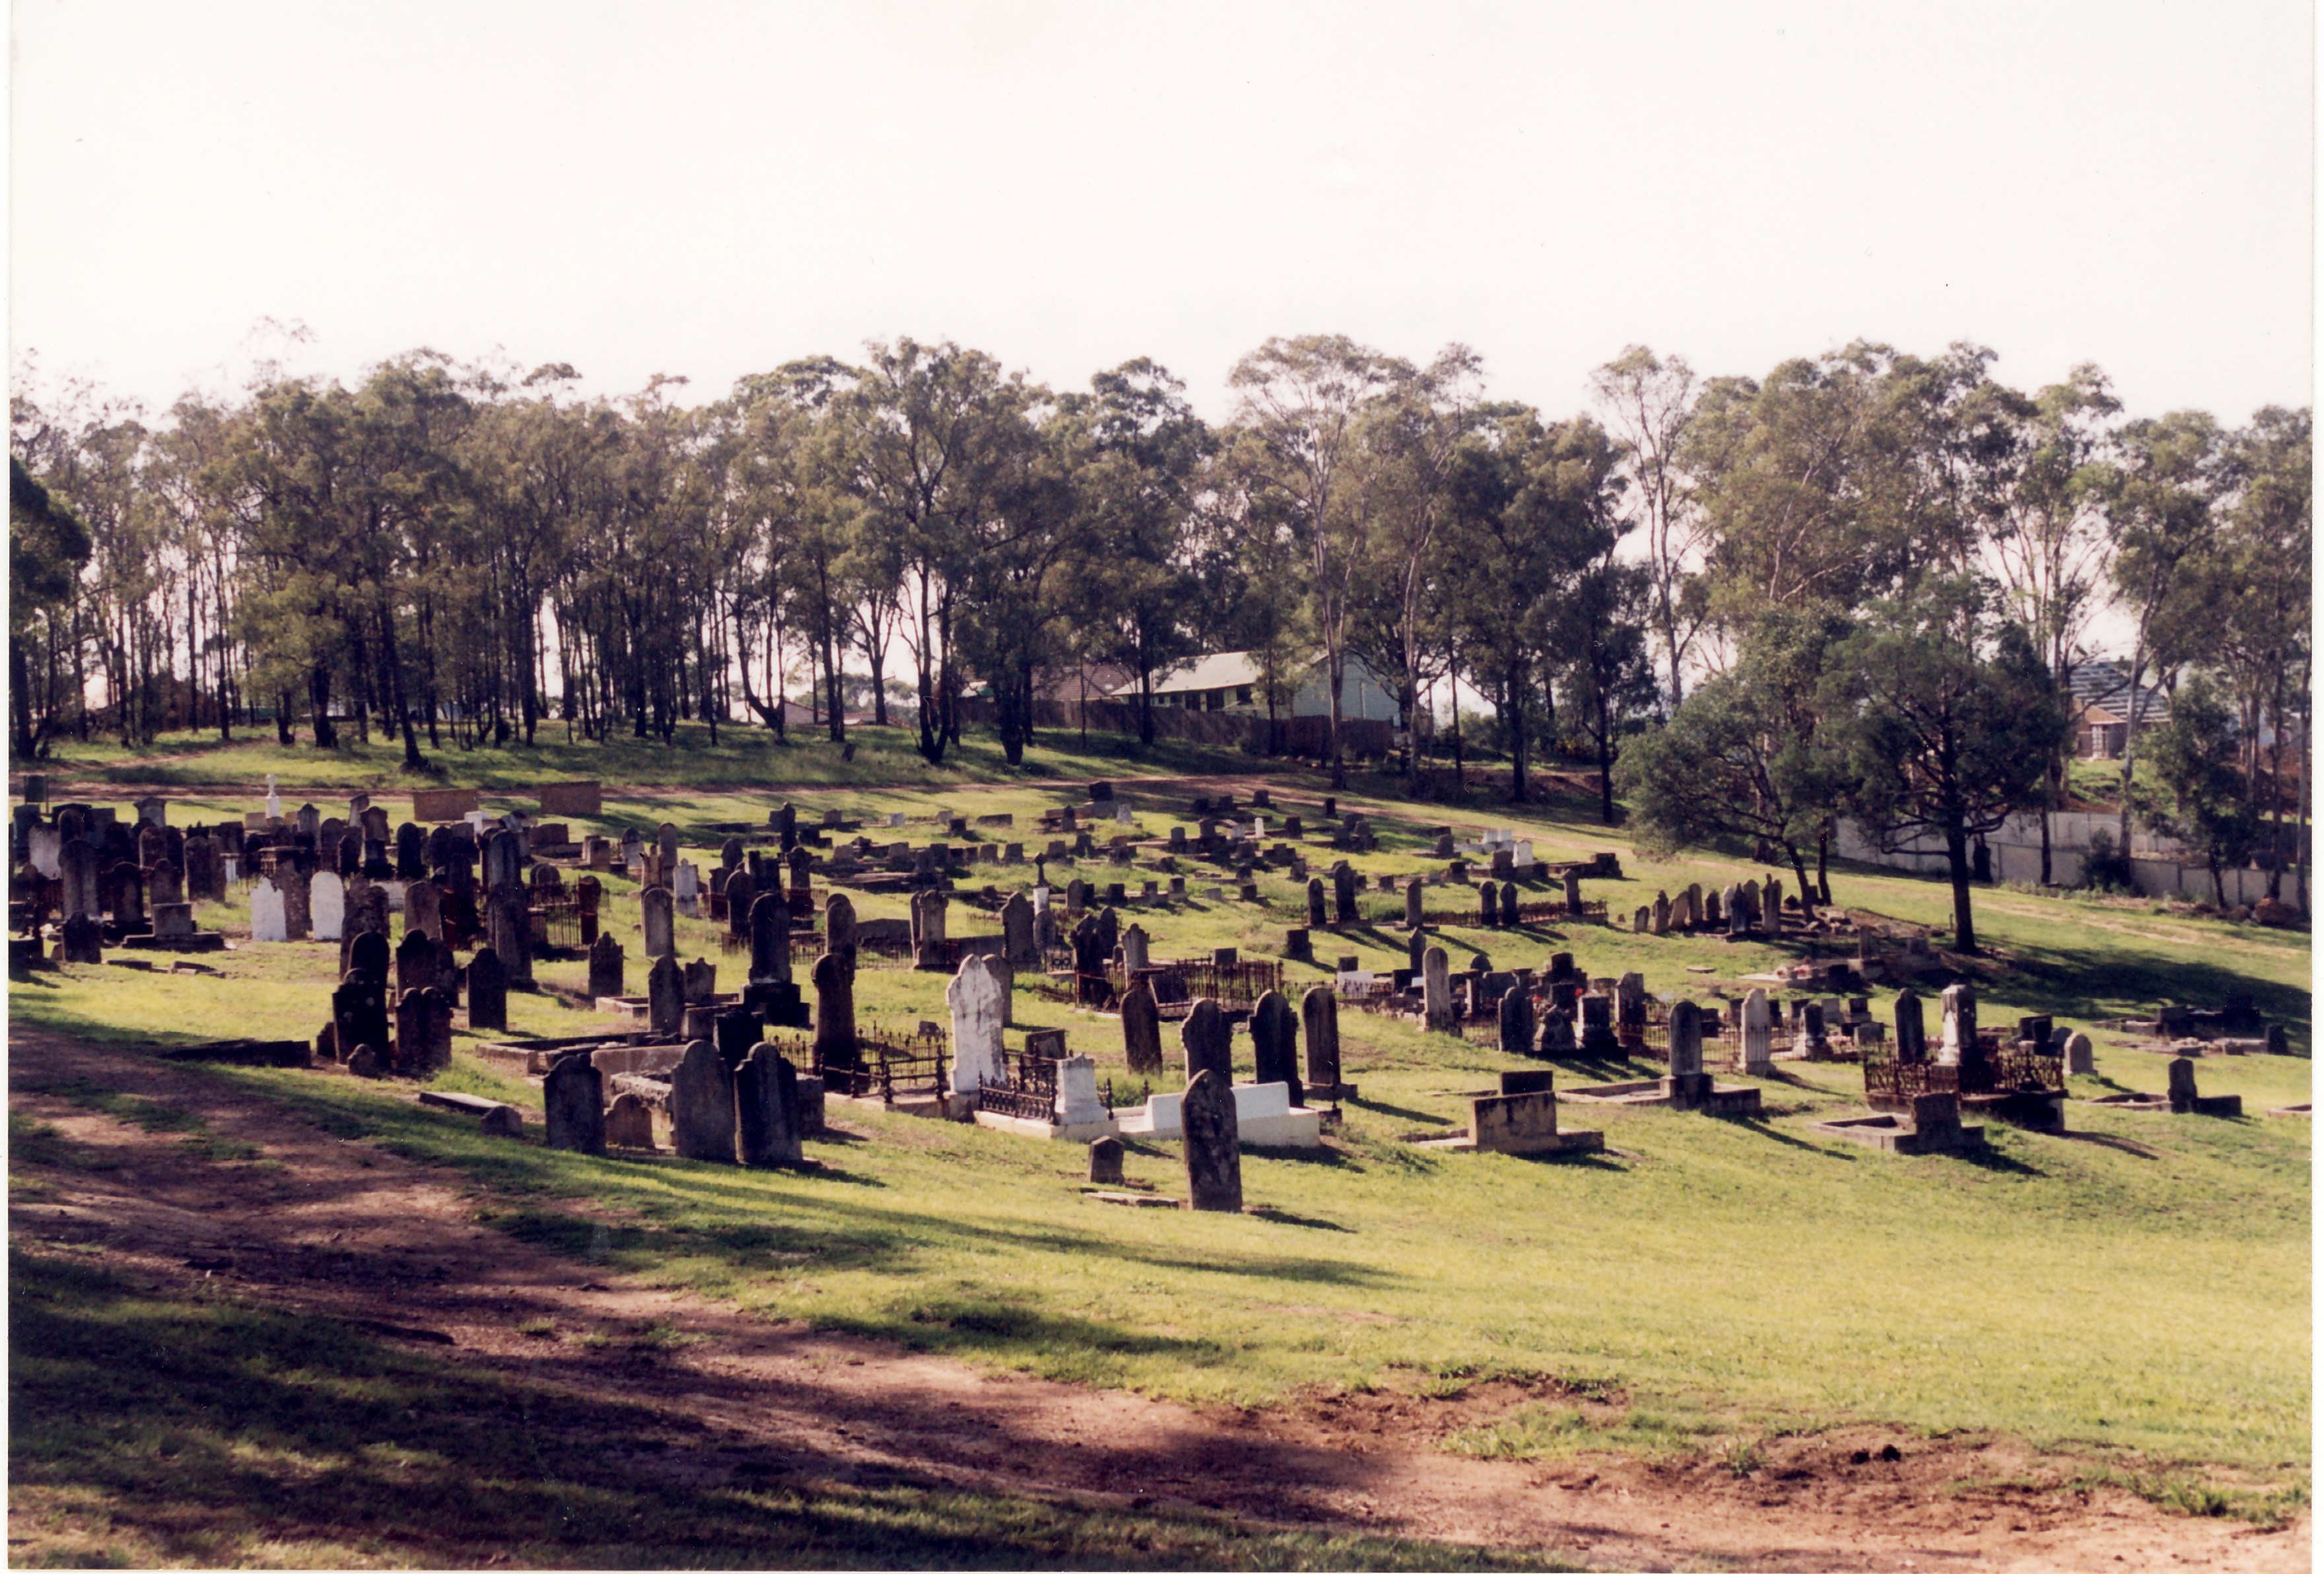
[
  {"x": 2138, "y": 1293},
  {"x": 743, "y": 757}
]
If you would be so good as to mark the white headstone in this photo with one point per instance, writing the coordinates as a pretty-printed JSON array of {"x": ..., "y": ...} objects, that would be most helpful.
[
  {"x": 974, "y": 997},
  {"x": 689, "y": 882},
  {"x": 273, "y": 803},
  {"x": 1040, "y": 898},
  {"x": 1122, "y": 814},
  {"x": 327, "y": 904},
  {"x": 1077, "y": 1100},
  {"x": 44, "y": 843},
  {"x": 267, "y": 920},
  {"x": 1758, "y": 1035}
]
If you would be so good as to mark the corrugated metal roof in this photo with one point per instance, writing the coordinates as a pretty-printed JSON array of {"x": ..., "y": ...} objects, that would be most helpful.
[{"x": 1226, "y": 669}]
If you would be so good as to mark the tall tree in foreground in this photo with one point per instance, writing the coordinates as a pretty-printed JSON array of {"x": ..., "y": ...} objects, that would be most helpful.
[
  {"x": 46, "y": 548},
  {"x": 2195, "y": 753},
  {"x": 1946, "y": 722}
]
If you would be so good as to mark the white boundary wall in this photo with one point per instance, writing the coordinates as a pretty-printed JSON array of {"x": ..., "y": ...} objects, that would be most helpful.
[{"x": 2154, "y": 865}]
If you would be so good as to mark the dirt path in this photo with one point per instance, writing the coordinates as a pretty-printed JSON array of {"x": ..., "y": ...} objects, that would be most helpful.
[{"x": 339, "y": 1227}]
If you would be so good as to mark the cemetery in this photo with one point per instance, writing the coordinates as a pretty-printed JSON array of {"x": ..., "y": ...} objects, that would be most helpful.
[{"x": 1453, "y": 1095}]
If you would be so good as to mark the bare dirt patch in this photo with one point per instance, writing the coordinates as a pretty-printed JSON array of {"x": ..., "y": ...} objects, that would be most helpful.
[{"x": 322, "y": 1224}]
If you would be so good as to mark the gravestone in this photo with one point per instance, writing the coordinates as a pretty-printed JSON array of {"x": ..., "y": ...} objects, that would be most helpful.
[
  {"x": 423, "y": 910},
  {"x": 1517, "y": 1023},
  {"x": 629, "y": 1123},
  {"x": 1509, "y": 914},
  {"x": 1662, "y": 913},
  {"x": 1688, "y": 1084},
  {"x": 1133, "y": 949},
  {"x": 834, "y": 1011},
  {"x": 83, "y": 939},
  {"x": 327, "y": 906},
  {"x": 1213, "y": 1145},
  {"x": 2181, "y": 1086},
  {"x": 359, "y": 1012},
  {"x": 742, "y": 894},
  {"x": 1912, "y": 1039},
  {"x": 77, "y": 865},
  {"x": 205, "y": 870},
  {"x": 665, "y": 997},
  {"x": 423, "y": 1033},
  {"x": 1275, "y": 1044},
  {"x": 266, "y": 918},
  {"x": 420, "y": 963},
  {"x": 1316, "y": 916},
  {"x": 1437, "y": 990},
  {"x": 1758, "y": 1035},
  {"x": 770, "y": 939},
  {"x": 839, "y": 929},
  {"x": 1017, "y": 931},
  {"x": 2079, "y": 1062},
  {"x": 1344, "y": 894},
  {"x": 573, "y": 1098},
  {"x": 1958, "y": 1046},
  {"x": 687, "y": 892},
  {"x": 974, "y": 996},
  {"x": 43, "y": 845},
  {"x": 1205, "y": 1037},
  {"x": 1105, "y": 1161},
  {"x": 605, "y": 969},
  {"x": 701, "y": 1102},
  {"x": 767, "y": 1117},
  {"x": 1319, "y": 1017},
  {"x": 1141, "y": 1029},
  {"x": 660, "y": 932}
]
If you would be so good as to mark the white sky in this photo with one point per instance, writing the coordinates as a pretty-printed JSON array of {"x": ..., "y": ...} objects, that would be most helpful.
[{"x": 711, "y": 189}]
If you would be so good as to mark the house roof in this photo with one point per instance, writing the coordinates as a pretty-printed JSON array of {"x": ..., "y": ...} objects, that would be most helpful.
[
  {"x": 1226, "y": 669},
  {"x": 2104, "y": 685}
]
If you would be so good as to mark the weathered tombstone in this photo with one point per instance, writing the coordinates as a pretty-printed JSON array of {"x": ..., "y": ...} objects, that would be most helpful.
[
  {"x": 327, "y": 906},
  {"x": 660, "y": 932},
  {"x": 665, "y": 997},
  {"x": 767, "y": 1117},
  {"x": 573, "y": 1098},
  {"x": 1133, "y": 949},
  {"x": 1275, "y": 1044},
  {"x": 266, "y": 919},
  {"x": 359, "y": 1012},
  {"x": 1771, "y": 909},
  {"x": 423, "y": 910},
  {"x": 1017, "y": 931},
  {"x": 1105, "y": 1161},
  {"x": 701, "y": 1102},
  {"x": 1343, "y": 895},
  {"x": 1517, "y": 1023},
  {"x": 1205, "y": 1037},
  {"x": 1077, "y": 893},
  {"x": 1319, "y": 1018},
  {"x": 2079, "y": 1062},
  {"x": 1759, "y": 1036},
  {"x": 839, "y": 929},
  {"x": 1488, "y": 904},
  {"x": 2181, "y": 1086},
  {"x": 423, "y": 1033},
  {"x": 77, "y": 865},
  {"x": 929, "y": 949},
  {"x": 1686, "y": 1041},
  {"x": 1316, "y": 916},
  {"x": 974, "y": 996},
  {"x": 419, "y": 963},
  {"x": 1912, "y": 1037},
  {"x": 1141, "y": 1029},
  {"x": 1958, "y": 1044},
  {"x": 1213, "y": 1145},
  {"x": 770, "y": 939},
  {"x": 205, "y": 870},
  {"x": 1510, "y": 916},
  {"x": 687, "y": 892},
  {"x": 83, "y": 939},
  {"x": 163, "y": 883},
  {"x": 835, "y": 1011},
  {"x": 741, "y": 893},
  {"x": 605, "y": 969},
  {"x": 1437, "y": 990},
  {"x": 629, "y": 1123}
]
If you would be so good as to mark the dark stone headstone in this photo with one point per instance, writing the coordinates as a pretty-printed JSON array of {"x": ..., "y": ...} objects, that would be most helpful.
[
  {"x": 84, "y": 940},
  {"x": 487, "y": 993},
  {"x": 573, "y": 1096},
  {"x": 665, "y": 997},
  {"x": 1141, "y": 1029},
  {"x": 702, "y": 1105},
  {"x": 767, "y": 1109},
  {"x": 1205, "y": 1037},
  {"x": 1517, "y": 1023},
  {"x": 1275, "y": 1044},
  {"x": 605, "y": 969},
  {"x": 1213, "y": 1145},
  {"x": 1319, "y": 1016},
  {"x": 1105, "y": 1161}
]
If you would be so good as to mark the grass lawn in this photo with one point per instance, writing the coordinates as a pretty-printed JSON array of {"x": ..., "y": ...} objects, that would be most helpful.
[{"x": 2137, "y": 1292}]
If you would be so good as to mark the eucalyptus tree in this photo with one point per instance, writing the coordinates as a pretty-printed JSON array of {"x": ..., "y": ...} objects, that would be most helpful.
[
  {"x": 923, "y": 434},
  {"x": 46, "y": 546},
  {"x": 1298, "y": 403},
  {"x": 1946, "y": 720},
  {"x": 1650, "y": 402}
]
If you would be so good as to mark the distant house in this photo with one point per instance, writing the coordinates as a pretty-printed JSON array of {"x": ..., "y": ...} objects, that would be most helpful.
[
  {"x": 1230, "y": 681},
  {"x": 2106, "y": 709}
]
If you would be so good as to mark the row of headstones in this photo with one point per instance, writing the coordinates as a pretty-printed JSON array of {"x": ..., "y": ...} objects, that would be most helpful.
[
  {"x": 732, "y": 1100},
  {"x": 1742, "y": 910}
]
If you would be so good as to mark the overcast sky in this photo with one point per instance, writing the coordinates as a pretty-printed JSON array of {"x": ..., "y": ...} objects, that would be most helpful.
[{"x": 710, "y": 189}]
